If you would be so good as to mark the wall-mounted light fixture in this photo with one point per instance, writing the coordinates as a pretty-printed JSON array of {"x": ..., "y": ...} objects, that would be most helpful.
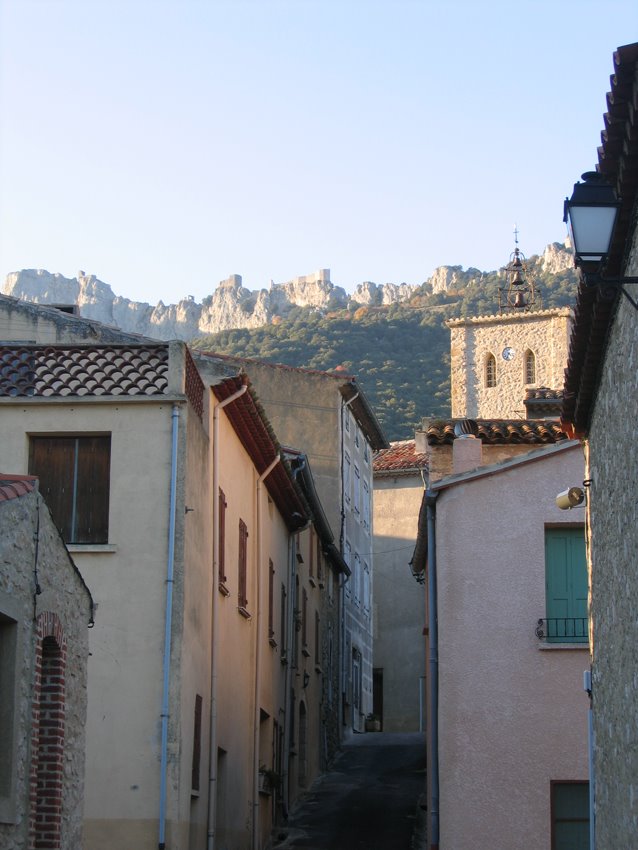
[
  {"x": 570, "y": 498},
  {"x": 591, "y": 214}
]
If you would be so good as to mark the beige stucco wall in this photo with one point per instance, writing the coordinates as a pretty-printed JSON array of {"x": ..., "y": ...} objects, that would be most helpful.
[
  {"x": 65, "y": 595},
  {"x": 513, "y": 715},
  {"x": 613, "y": 460},
  {"x": 399, "y": 607},
  {"x": 546, "y": 333},
  {"x": 128, "y": 581}
]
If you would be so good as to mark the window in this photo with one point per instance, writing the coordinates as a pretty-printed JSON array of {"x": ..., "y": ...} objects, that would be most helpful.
[
  {"x": 347, "y": 557},
  {"x": 357, "y": 489},
  {"x": 311, "y": 558},
  {"x": 366, "y": 588},
  {"x": 242, "y": 563},
  {"x": 366, "y": 505},
  {"x": 490, "y": 371},
  {"x": 570, "y": 815},
  {"x": 320, "y": 565},
  {"x": 74, "y": 477},
  {"x": 282, "y": 621},
  {"x": 197, "y": 743},
  {"x": 530, "y": 367},
  {"x": 317, "y": 639},
  {"x": 346, "y": 477},
  {"x": 221, "y": 554},
  {"x": 304, "y": 623},
  {"x": 271, "y": 603},
  {"x": 356, "y": 579},
  {"x": 565, "y": 586}
]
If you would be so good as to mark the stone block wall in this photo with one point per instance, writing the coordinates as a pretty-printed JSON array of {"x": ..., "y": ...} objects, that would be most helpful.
[
  {"x": 613, "y": 514},
  {"x": 48, "y": 679},
  {"x": 546, "y": 333}
]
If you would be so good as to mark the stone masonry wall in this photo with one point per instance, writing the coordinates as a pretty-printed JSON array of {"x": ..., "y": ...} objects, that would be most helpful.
[
  {"x": 613, "y": 512},
  {"x": 546, "y": 333},
  {"x": 65, "y": 601}
]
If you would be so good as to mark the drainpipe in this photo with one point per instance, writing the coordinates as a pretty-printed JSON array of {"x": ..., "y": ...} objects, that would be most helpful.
[
  {"x": 257, "y": 718},
  {"x": 292, "y": 565},
  {"x": 433, "y": 771},
  {"x": 168, "y": 625},
  {"x": 212, "y": 767}
]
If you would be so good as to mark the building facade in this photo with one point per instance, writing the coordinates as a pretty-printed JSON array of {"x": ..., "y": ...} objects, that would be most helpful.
[
  {"x": 46, "y": 610},
  {"x": 601, "y": 385}
]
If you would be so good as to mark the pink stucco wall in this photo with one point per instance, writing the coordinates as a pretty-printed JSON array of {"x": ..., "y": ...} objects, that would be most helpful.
[{"x": 513, "y": 714}]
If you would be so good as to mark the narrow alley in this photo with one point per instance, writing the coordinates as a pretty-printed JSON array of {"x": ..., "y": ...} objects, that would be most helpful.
[{"x": 370, "y": 799}]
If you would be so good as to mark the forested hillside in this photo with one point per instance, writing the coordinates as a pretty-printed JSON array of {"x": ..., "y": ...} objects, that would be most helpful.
[{"x": 399, "y": 354}]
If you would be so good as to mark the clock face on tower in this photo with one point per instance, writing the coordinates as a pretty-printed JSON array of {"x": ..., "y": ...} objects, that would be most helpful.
[{"x": 508, "y": 353}]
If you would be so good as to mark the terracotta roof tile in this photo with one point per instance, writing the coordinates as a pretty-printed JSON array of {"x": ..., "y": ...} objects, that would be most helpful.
[
  {"x": 14, "y": 486},
  {"x": 48, "y": 371},
  {"x": 501, "y": 431},
  {"x": 400, "y": 457}
]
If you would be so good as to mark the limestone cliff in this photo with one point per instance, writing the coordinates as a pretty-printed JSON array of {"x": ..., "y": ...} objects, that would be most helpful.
[{"x": 231, "y": 305}]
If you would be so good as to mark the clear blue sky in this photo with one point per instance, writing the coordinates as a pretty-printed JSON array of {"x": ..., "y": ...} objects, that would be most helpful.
[{"x": 163, "y": 145}]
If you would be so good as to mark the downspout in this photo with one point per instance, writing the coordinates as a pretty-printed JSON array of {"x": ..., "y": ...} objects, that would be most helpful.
[
  {"x": 168, "y": 625},
  {"x": 212, "y": 767},
  {"x": 433, "y": 671},
  {"x": 292, "y": 562},
  {"x": 257, "y": 718}
]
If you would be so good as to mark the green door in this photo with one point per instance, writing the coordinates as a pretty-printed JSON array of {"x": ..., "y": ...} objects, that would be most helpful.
[{"x": 566, "y": 585}]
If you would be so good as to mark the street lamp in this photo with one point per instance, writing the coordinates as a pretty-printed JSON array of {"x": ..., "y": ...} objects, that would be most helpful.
[{"x": 591, "y": 215}]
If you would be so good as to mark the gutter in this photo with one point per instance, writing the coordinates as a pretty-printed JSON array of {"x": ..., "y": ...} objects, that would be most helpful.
[
  {"x": 433, "y": 670},
  {"x": 167, "y": 627},
  {"x": 257, "y": 717},
  {"x": 212, "y": 769}
]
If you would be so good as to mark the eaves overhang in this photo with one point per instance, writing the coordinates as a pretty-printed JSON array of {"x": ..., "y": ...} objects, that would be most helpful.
[
  {"x": 596, "y": 306},
  {"x": 255, "y": 433}
]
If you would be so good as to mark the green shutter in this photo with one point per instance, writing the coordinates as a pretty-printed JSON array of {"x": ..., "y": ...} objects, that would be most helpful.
[
  {"x": 566, "y": 585},
  {"x": 570, "y": 815}
]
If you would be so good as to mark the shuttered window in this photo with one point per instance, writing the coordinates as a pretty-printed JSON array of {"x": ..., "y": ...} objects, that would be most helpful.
[
  {"x": 570, "y": 816},
  {"x": 197, "y": 743},
  {"x": 221, "y": 554},
  {"x": 243, "y": 555},
  {"x": 74, "y": 475},
  {"x": 566, "y": 585}
]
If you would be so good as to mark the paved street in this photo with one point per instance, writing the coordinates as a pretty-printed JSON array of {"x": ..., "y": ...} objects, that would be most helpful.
[{"x": 369, "y": 800}]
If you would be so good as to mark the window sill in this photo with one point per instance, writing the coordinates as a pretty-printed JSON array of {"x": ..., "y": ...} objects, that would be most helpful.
[
  {"x": 544, "y": 647},
  {"x": 103, "y": 548},
  {"x": 244, "y": 612}
]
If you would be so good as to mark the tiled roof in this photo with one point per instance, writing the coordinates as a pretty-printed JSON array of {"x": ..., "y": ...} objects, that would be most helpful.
[
  {"x": 500, "y": 431},
  {"x": 14, "y": 486},
  {"x": 255, "y": 433},
  {"x": 596, "y": 305},
  {"x": 401, "y": 457},
  {"x": 50, "y": 371},
  {"x": 542, "y": 393}
]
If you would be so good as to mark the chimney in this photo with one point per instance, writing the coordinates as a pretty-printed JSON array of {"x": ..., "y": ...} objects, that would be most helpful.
[
  {"x": 467, "y": 448},
  {"x": 421, "y": 442}
]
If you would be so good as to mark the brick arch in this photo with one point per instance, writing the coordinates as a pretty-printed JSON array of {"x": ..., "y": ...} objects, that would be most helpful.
[{"x": 48, "y": 720}]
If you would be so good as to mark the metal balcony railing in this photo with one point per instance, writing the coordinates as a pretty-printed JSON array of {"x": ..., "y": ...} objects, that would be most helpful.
[{"x": 563, "y": 629}]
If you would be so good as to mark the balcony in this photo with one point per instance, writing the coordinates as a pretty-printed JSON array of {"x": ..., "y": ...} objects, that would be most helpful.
[{"x": 563, "y": 630}]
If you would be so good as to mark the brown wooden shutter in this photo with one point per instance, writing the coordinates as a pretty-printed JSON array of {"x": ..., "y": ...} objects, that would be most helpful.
[
  {"x": 92, "y": 494},
  {"x": 222, "y": 537},
  {"x": 197, "y": 743},
  {"x": 271, "y": 584},
  {"x": 243, "y": 538},
  {"x": 52, "y": 460}
]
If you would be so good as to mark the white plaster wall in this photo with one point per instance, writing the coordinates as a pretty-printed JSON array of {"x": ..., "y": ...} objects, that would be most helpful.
[
  {"x": 399, "y": 602},
  {"x": 512, "y": 715}
]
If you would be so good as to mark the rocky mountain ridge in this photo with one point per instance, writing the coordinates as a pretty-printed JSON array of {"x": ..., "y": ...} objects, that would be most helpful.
[{"x": 231, "y": 305}]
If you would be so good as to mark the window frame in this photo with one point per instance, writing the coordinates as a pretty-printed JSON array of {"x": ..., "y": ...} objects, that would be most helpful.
[
  {"x": 529, "y": 367},
  {"x": 242, "y": 570},
  {"x": 490, "y": 372},
  {"x": 74, "y": 470}
]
